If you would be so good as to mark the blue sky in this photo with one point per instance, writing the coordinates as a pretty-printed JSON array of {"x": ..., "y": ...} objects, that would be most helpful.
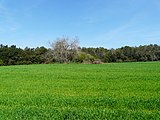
[{"x": 97, "y": 23}]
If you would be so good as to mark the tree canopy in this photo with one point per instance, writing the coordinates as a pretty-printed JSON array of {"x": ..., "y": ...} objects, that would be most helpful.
[{"x": 65, "y": 50}]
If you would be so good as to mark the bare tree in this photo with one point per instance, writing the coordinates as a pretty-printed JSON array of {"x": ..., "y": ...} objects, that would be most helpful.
[
  {"x": 64, "y": 50},
  {"x": 73, "y": 48}
]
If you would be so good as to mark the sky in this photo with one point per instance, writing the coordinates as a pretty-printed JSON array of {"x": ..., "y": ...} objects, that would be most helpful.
[{"x": 97, "y": 23}]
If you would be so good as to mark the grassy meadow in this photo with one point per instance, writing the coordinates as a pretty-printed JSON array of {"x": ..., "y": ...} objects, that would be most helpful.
[{"x": 114, "y": 91}]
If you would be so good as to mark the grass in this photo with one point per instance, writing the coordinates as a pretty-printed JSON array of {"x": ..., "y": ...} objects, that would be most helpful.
[{"x": 114, "y": 91}]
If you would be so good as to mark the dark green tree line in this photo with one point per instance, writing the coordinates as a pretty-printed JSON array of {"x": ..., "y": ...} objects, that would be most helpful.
[
  {"x": 11, "y": 55},
  {"x": 126, "y": 53},
  {"x": 66, "y": 51}
]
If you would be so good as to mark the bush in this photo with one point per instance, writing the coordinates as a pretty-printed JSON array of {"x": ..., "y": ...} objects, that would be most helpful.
[{"x": 1, "y": 62}]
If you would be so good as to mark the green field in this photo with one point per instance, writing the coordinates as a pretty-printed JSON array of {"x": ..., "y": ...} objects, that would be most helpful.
[{"x": 114, "y": 91}]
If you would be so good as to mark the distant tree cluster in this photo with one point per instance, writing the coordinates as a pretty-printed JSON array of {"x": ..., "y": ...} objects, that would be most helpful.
[
  {"x": 65, "y": 50},
  {"x": 126, "y": 54},
  {"x": 17, "y": 56}
]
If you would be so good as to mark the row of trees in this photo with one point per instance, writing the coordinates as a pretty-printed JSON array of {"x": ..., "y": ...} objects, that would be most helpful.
[
  {"x": 126, "y": 54},
  {"x": 11, "y": 55},
  {"x": 65, "y": 50}
]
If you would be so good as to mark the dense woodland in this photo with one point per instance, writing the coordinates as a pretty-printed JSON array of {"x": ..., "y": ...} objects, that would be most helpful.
[{"x": 11, "y": 55}]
